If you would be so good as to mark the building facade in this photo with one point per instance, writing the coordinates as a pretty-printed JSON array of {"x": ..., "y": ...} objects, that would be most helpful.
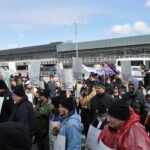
[{"x": 91, "y": 52}]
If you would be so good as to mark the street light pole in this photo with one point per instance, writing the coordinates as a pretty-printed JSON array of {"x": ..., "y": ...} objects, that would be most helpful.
[{"x": 76, "y": 44}]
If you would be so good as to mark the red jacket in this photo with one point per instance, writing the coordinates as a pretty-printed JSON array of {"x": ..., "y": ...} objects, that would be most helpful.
[{"x": 131, "y": 136}]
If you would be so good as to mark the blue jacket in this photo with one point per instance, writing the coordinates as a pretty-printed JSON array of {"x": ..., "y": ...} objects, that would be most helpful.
[{"x": 71, "y": 129}]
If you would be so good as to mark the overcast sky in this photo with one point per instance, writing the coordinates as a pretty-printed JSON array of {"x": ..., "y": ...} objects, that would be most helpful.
[{"x": 36, "y": 22}]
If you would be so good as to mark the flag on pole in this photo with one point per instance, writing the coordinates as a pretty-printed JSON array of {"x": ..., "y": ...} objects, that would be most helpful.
[{"x": 108, "y": 69}]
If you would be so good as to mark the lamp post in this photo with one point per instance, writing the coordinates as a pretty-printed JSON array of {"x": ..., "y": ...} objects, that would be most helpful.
[{"x": 76, "y": 44}]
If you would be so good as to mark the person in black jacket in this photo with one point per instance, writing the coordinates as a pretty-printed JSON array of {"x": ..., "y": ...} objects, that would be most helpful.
[
  {"x": 147, "y": 80},
  {"x": 23, "y": 110},
  {"x": 136, "y": 99},
  {"x": 14, "y": 136},
  {"x": 100, "y": 97},
  {"x": 7, "y": 104}
]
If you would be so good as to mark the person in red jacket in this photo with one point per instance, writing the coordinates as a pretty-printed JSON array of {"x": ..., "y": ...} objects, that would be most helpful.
[{"x": 123, "y": 131}]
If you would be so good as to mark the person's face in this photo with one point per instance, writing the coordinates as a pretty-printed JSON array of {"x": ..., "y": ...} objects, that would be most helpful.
[
  {"x": 16, "y": 98},
  {"x": 57, "y": 85},
  {"x": 148, "y": 99},
  {"x": 13, "y": 83},
  {"x": 84, "y": 85},
  {"x": 114, "y": 122},
  {"x": 51, "y": 78},
  {"x": 131, "y": 88},
  {"x": 99, "y": 90},
  {"x": 63, "y": 111},
  {"x": 92, "y": 78},
  {"x": 115, "y": 91},
  {"x": 43, "y": 98}
]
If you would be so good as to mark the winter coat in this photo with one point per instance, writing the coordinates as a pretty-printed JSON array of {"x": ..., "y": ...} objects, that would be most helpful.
[
  {"x": 23, "y": 112},
  {"x": 137, "y": 101},
  {"x": 14, "y": 136},
  {"x": 104, "y": 99},
  {"x": 131, "y": 136},
  {"x": 42, "y": 114},
  {"x": 84, "y": 102},
  {"x": 70, "y": 128},
  {"x": 147, "y": 80},
  {"x": 7, "y": 106}
]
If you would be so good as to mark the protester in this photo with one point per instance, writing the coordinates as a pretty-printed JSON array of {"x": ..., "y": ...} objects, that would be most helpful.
[
  {"x": 100, "y": 97},
  {"x": 70, "y": 126},
  {"x": 23, "y": 110},
  {"x": 147, "y": 120},
  {"x": 7, "y": 104},
  {"x": 13, "y": 84},
  {"x": 91, "y": 80},
  {"x": 84, "y": 104},
  {"x": 58, "y": 88},
  {"x": 42, "y": 113},
  {"x": 51, "y": 85},
  {"x": 147, "y": 79},
  {"x": 100, "y": 121},
  {"x": 14, "y": 136},
  {"x": 136, "y": 99},
  {"x": 116, "y": 94},
  {"x": 54, "y": 122},
  {"x": 118, "y": 80},
  {"x": 123, "y": 132}
]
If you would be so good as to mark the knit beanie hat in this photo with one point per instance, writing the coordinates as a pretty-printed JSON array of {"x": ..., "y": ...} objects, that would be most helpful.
[
  {"x": 3, "y": 84},
  {"x": 68, "y": 103},
  {"x": 119, "y": 110},
  {"x": 45, "y": 93},
  {"x": 56, "y": 100},
  {"x": 19, "y": 90}
]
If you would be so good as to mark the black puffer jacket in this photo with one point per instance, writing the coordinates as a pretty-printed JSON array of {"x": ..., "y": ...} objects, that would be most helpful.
[
  {"x": 23, "y": 112},
  {"x": 7, "y": 105}
]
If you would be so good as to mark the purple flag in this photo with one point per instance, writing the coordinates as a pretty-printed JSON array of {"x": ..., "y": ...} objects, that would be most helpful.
[{"x": 108, "y": 69}]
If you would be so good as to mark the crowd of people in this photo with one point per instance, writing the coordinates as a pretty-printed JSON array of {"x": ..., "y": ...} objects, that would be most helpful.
[{"x": 52, "y": 117}]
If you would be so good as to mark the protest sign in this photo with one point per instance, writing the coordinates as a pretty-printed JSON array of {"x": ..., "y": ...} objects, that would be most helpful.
[
  {"x": 67, "y": 79},
  {"x": 60, "y": 143},
  {"x": 12, "y": 67},
  {"x": 77, "y": 69},
  {"x": 59, "y": 68},
  {"x": 34, "y": 73},
  {"x": 91, "y": 142},
  {"x": 30, "y": 97},
  {"x": 1, "y": 103},
  {"x": 126, "y": 70}
]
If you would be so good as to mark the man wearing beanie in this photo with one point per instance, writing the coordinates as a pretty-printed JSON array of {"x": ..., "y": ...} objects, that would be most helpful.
[
  {"x": 7, "y": 104},
  {"x": 42, "y": 113},
  {"x": 100, "y": 97},
  {"x": 54, "y": 122},
  {"x": 123, "y": 131},
  {"x": 23, "y": 110},
  {"x": 70, "y": 127}
]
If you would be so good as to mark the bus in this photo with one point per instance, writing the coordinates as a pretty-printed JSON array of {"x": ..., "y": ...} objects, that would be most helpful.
[{"x": 137, "y": 65}]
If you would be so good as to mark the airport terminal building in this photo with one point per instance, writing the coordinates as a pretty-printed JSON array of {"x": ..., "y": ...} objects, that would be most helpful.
[{"x": 91, "y": 52}]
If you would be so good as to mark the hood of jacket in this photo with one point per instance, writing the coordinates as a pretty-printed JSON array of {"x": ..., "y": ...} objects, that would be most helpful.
[{"x": 135, "y": 82}]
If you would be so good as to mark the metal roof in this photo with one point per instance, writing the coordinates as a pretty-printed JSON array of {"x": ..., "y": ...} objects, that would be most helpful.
[{"x": 116, "y": 42}]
